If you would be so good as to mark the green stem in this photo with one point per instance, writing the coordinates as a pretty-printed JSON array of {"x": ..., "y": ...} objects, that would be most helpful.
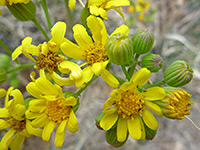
[
  {"x": 132, "y": 69},
  {"x": 125, "y": 72},
  {"x": 7, "y": 50},
  {"x": 69, "y": 14},
  {"x": 40, "y": 28},
  {"x": 44, "y": 6},
  {"x": 121, "y": 81},
  {"x": 20, "y": 67},
  {"x": 153, "y": 85},
  {"x": 82, "y": 89}
]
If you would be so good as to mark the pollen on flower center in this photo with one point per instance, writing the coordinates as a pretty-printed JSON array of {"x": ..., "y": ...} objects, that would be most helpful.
[
  {"x": 17, "y": 125},
  {"x": 130, "y": 105},
  {"x": 57, "y": 111},
  {"x": 49, "y": 61},
  {"x": 96, "y": 53},
  {"x": 181, "y": 106}
]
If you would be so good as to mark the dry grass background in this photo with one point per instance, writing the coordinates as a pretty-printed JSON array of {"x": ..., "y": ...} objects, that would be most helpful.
[{"x": 177, "y": 31}]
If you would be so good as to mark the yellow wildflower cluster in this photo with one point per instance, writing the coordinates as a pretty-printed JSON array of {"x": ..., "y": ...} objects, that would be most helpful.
[{"x": 49, "y": 107}]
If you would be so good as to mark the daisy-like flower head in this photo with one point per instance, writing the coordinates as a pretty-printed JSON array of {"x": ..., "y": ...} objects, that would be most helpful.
[
  {"x": 128, "y": 108},
  {"x": 13, "y": 117},
  {"x": 47, "y": 57},
  {"x": 176, "y": 103},
  {"x": 99, "y": 7},
  {"x": 51, "y": 109},
  {"x": 11, "y": 2},
  {"x": 92, "y": 51}
]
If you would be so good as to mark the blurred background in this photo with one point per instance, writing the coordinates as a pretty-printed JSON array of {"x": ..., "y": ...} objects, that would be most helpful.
[{"x": 176, "y": 25}]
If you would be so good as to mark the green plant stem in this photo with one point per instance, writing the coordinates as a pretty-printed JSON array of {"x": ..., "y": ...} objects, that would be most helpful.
[
  {"x": 82, "y": 89},
  {"x": 40, "y": 28},
  {"x": 44, "y": 6},
  {"x": 125, "y": 72},
  {"x": 20, "y": 67},
  {"x": 7, "y": 50},
  {"x": 132, "y": 69},
  {"x": 153, "y": 85},
  {"x": 121, "y": 81},
  {"x": 69, "y": 14}
]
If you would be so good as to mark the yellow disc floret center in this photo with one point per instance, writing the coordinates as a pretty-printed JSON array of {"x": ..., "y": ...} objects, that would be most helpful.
[
  {"x": 181, "y": 106},
  {"x": 17, "y": 125},
  {"x": 57, "y": 111},
  {"x": 130, "y": 105},
  {"x": 46, "y": 59},
  {"x": 96, "y": 53}
]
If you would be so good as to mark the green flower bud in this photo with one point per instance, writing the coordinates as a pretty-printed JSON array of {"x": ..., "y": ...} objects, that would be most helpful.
[
  {"x": 153, "y": 62},
  {"x": 3, "y": 75},
  {"x": 111, "y": 138},
  {"x": 143, "y": 40},
  {"x": 175, "y": 105},
  {"x": 23, "y": 12},
  {"x": 119, "y": 49},
  {"x": 178, "y": 74},
  {"x": 5, "y": 61},
  {"x": 98, "y": 119}
]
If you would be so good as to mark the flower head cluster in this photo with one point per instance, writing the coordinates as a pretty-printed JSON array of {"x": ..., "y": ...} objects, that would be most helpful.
[
  {"x": 51, "y": 109},
  {"x": 14, "y": 117},
  {"x": 130, "y": 111}
]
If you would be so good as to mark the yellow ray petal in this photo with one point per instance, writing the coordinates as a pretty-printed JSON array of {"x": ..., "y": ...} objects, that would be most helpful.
[
  {"x": 81, "y": 36},
  {"x": 17, "y": 96},
  {"x": 108, "y": 121},
  {"x": 110, "y": 111},
  {"x": 94, "y": 10},
  {"x": 48, "y": 128},
  {"x": 17, "y": 52},
  {"x": 109, "y": 78},
  {"x": 72, "y": 4},
  {"x": 134, "y": 128},
  {"x": 4, "y": 113},
  {"x": 59, "y": 139},
  {"x": 155, "y": 108},
  {"x": 31, "y": 115},
  {"x": 102, "y": 13},
  {"x": 116, "y": 3},
  {"x": 76, "y": 71},
  {"x": 62, "y": 81},
  {"x": 70, "y": 101},
  {"x": 109, "y": 102},
  {"x": 123, "y": 29},
  {"x": 61, "y": 127},
  {"x": 149, "y": 119},
  {"x": 33, "y": 90},
  {"x": 40, "y": 121},
  {"x": 17, "y": 142},
  {"x": 98, "y": 29},
  {"x": 2, "y": 93},
  {"x": 32, "y": 130},
  {"x": 72, "y": 124},
  {"x": 121, "y": 129},
  {"x": 141, "y": 77},
  {"x": 154, "y": 93},
  {"x": 72, "y": 50},
  {"x": 7, "y": 138},
  {"x": 58, "y": 32}
]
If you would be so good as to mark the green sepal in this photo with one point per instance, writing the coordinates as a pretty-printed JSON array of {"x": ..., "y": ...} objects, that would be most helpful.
[
  {"x": 98, "y": 119},
  {"x": 111, "y": 138},
  {"x": 23, "y": 12}
]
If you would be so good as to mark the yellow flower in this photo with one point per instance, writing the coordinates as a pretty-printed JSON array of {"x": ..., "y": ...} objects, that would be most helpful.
[
  {"x": 99, "y": 7},
  {"x": 51, "y": 109},
  {"x": 2, "y": 93},
  {"x": 95, "y": 52},
  {"x": 11, "y": 2},
  {"x": 48, "y": 58},
  {"x": 142, "y": 5},
  {"x": 72, "y": 4},
  {"x": 130, "y": 107},
  {"x": 176, "y": 104},
  {"x": 15, "y": 119}
]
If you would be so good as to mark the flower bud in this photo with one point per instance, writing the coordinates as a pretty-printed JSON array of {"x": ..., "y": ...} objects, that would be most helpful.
[
  {"x": 178, "y": 74},
  {"x": 23, "y": 12},
  {"x": 119, "y": 49},
  {"x": 143, "y": 40},
  {"x": 3, "y": 75},
  {"x": 175, "y": 105},
  {"x": 111, "y": 138},
  {"x": 153, "y": 62},
  {"x": 5, "y": 61}
]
